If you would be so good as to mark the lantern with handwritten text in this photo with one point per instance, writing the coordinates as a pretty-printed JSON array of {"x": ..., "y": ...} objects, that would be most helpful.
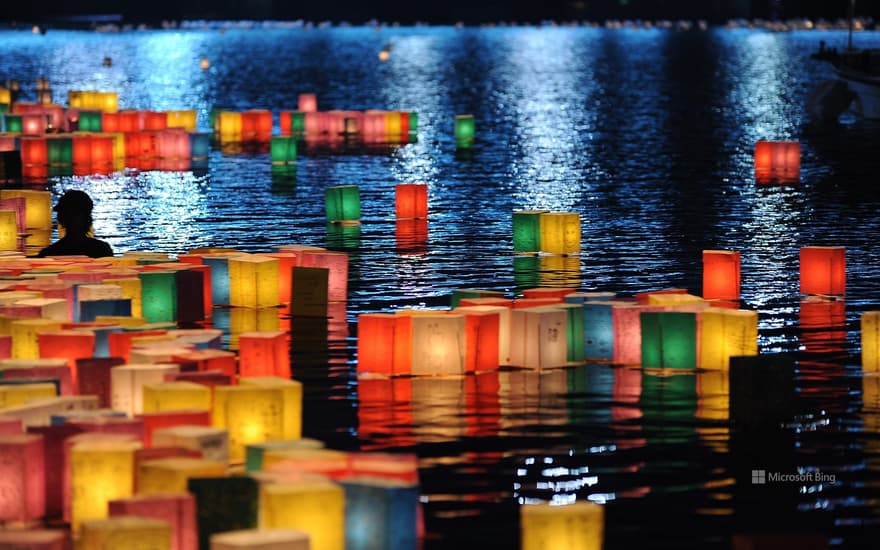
[{"x": 725, "y": 333}]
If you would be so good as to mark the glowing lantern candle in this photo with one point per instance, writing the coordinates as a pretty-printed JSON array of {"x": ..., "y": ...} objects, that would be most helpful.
[
  {"x": 343, "y": 203},
  {"x": 337, "y": 278},
  {"x": 465, "y": 130},
  {"x": 292, "y": 395},
  {"x": 212, "y": 443},
  {"x": 870, "y": 340},
  {"x": 127, "y": 382},
  {"x": 314, "y": 507},
  {"x": 170, "y": 475},
  {"x": 721, "y": 275},
  {"x": 34, "y": 539},
  {"x": 129, "y": 532},
  {"x": 560, "y": 232},
  {"x": 576, "y": 526},
  {"x": 777, "y": 161},
  {"x": 725, "y": 333},
  {"x": 178, "y": 510},
  {"x": 264, "y": 354},
  {"x": 171, "y": 396},
  {"x": 437, "y": 345},
  {"x": 261, "y": 539},
  {"x": 251, "y": 414},
  {"x": 380, "y": 514},
  {"x": 823, "y": 270},
  {"x": 411, "y": 200},
  {"x": 538, "y": 337},
  {"x": 22, "y": 477},
  {"x": 159, "y": 295},
  {"x": 307, "y": 103},
  {"x": 282, "y": 150},
  {"x": 101, "y": 470},
  {"x": 669, "y": 340},
  {"x": 253, "y": 281}
]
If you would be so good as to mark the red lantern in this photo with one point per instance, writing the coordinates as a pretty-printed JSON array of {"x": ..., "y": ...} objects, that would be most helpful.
[
  {"x": 155, "y": 120},
  {"x": 34, "y": 151},
  {"x": 130, "y": 121},
  {"x": 482, "y": 332},
  {"x": 256, "y": 125},
  {"x": 721, "y": 275},
  {"x": 33, "y": 124},
  {"x": 22, "y": 477},
  {"x": 264, "y": 354},
  {"x": 153, "y": 421},
  {"x": 285, "y": 122},
  {"x": 69, "y": 345},
  {"x": 777, "y": 161},
  {"x": 823, "y": 270},
  {"x": 110, "y": 122},
  {"x": 379, "y": 334},
  {"x": 411, "y": 200}
]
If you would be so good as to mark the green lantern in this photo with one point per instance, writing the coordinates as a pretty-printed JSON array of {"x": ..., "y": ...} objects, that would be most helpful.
[
  {"x": 159, "y": 295},
  {"x": 297, "y": 122},
  {"x": 527, "y": 230},
  {"x": 282, "y": 149},
  {"x": 59, "y": 151},
  {"x": 465, "y": 130},
  {"x": 13, "y": 123},
  {"x": 4, "y": 107},
  {"x": 413, "y": 123},
  {"x": 669, "y": 339},
  {"x": 90, "y": 121},
  {"x": 526, "y": 271},
  {"x": 343, "y": 203},
  {"x": 575, "y": 328}
]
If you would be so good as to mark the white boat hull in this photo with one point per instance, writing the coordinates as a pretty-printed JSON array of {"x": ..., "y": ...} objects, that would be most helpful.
[{"x": 867, "y": 90}]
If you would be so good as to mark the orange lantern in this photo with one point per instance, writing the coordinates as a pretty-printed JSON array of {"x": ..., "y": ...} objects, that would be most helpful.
[
  {"x": 131, "y": 121},
  {"x": 379, "y": 335},
  {"x": 110, "y": 122},
  {"x": 69, "y": 345},
  {"x": 34, "y": 151},
  {"x": 721, "y": 275},
  {"x": 482, "y": 329},
  {"x": 154, "y": 120},
  {"x": 264, "y": 354},
  {"x": 256, "y": 125},
  {"x": 823, "y": 270},
  {"x": 411, "y": 200},
  {"x": 777, "y": 161}
]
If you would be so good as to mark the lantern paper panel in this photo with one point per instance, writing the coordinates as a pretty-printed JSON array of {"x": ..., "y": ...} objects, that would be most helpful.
[
  {"x": 219, "y": 265},
  {"x": 171, "y": 396},
  {"x": 264, "y": 354},
  {"x": 721, "y": 275},
  {"x": 437, "y": 344},
  {"x": 52, "y": 369},
  {"x": 411, "y": 200},
  {"x": 261, "y": 539},
  {"x": 310, "y": 293},
  {"x": 292, "y": 393},
  {"x": 576, "y": 526},
  {"x": 669, "y": 340},
  {"x": 253, "y": 281},
  {"x": 250, "y": 414},
  {"x": 129, "y": 532},
  {"x": 159, "y": 295},
  {"x": 380, "y": 514},
  {"x": 725, "y": 333},
  {"x": 823, "y": 270},
  {"x": 307, "y": 103},
  {"x": 93, "y": 377},
  {"x": 171, "y": 475},
  {"x": 101, "y": 470},
  {"x": 870, "y": 339},
  {"x": 24, "y": 336},
  {"x": 376, "y": 342},
  {"x": 627, "y": 325},
  {"x": 777, "y": 161},
  {"x": 153, "y": 422},
  {"x": 14, "y": 394},
  {"x": 212, "y": 443},
  {"x": 336, "y": 263},
  {"x": 503, "y": 313},
  {"x": 314, "y": 507},
  {"x": 22, "y": 477},
  {"x": 127, "y": 383},
  {"x": 343, "y": 203},
  {"x": 560, "y": 232},
  {"x": 176, "y": 509},
  {"x": 538, "y": 337},
  {"x": 464, "y": 130},
  {"x": 482, "y": 335}
]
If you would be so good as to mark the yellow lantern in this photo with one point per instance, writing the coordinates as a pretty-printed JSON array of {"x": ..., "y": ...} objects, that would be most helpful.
[
  {"x": 38, "y": 206},
  {"x": 870, "y": 338},
  {"x": 315, "y": 507},
  {"x": 101, "y": 470},
  {"x": 292, "y": 392},
  {"x": 250, "y": 413},
  {"x": 12, "y": 395},
  {"x": 129, "y": 532},
  {"x": 9, "y": 230},
  {"x": 725, "y": 333},
  {"x": 253, "y": 281},
  {"x": 170, "y": 475},
  {"x": 174, "y": 396},
  {"x": 127, "y": 382},
  {"x": 560, "y": 232},
  {"x": 576, "y": 526},
  {"x": 261, "y": 539},
  {"x": 25, "y": 344}
]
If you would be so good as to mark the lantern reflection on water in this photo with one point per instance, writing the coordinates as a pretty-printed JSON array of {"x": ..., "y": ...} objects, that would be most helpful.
[{"x": 576, "y": 526}]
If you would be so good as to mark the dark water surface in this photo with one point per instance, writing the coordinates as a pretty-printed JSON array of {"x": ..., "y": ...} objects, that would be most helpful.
[{"x": 649, "y": 135}]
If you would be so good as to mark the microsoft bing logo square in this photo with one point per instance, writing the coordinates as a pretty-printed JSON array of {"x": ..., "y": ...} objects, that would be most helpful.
[{"x": 759, "y": 477}]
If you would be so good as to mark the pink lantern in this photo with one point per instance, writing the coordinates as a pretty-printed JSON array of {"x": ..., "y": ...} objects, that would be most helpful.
[
  {"x": 22, "y": 477},
  {"x": 179, "y": 510},
  {"x": 35, "y": 539},
  {"x": 307, "y": 103},
  {"x": 337, "y": 264}
]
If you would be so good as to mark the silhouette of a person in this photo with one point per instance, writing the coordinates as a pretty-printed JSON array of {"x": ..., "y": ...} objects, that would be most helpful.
[{"x": 74, "y": 214}]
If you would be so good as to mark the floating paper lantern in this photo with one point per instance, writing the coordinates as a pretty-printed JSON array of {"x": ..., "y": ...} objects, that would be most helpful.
[
  {"x": 170, "y": 475},
  {"x": 18, "y": 392},
  {"x": 721, "y": 275},
  {"x": 315, "y": 507},
  {"x": 127, "y": 382},
  {"x": 669, "y": 340},
  {"x": 343, "y": 203},
  {"x": 212, "y": 443},
  {"x": 777, "y": 161},
  {"x": 130, "y": 532},
  {"x": 159, "y": 295},
  {"x": 47, "y": 369},
  {"x": 219, "y": 265},
  {"x": 292, "y": 393},
  {"x": 576, "y": 526},
  {"x": 725, "y": 333},
  {"x": 627, "y": 326},
  {"x": 282, "y": 150},
  {"x": 38, "y": 206},
  {"x": 264, "y": 354},
  {"x": 253, "y": 281},
  {"x": 178, "y": 510},
  {"x": 307, "y": 103},
  {"x": 575, "y": 331},
  {"x": 411, "y": 200},
  {"x": 823, "y": 270},
  {"x": 465, "y": 130},
  {"x": 9, "y": 230},
  {"x": 22, "y": 478},
  {"x": 309, "y": 295},
  {"x": 261, "y": 539},
  {"x": 24, "y": 336},
  {"x": 337, "y": 277},
  {"x": 228, "y": 125},
  {"x": 171, "y": 396},
  {"x": 167, "y": 419},
  {"x": 377, "y": 335},
  {"x": 256, "y": 125},
  {"x": 93, "y": 377},
  {"x": 181, "y": 119},
  {"x": 482, "y": 334},
  {"x": 380, "y": 514},
  {"x": 251, "y": 414},
  {"x": 101, "y": 470},
  {"x": 870, "y": 340},
  {"x": 560, "y": 232},
  {"x": 436, "y": 345},
  {"x": 538, "y": 337},
  {"x": 239, "y": 496}
]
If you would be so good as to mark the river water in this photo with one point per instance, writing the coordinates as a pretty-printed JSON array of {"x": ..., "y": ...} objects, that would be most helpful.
[{"x": 648, "y": 135}]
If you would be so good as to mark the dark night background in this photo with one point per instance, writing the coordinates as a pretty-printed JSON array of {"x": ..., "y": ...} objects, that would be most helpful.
[{"x": 434, "y": 11}]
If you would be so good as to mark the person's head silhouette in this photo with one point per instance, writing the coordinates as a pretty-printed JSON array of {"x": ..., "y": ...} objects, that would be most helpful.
[{"x": 74, "y": 214}]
